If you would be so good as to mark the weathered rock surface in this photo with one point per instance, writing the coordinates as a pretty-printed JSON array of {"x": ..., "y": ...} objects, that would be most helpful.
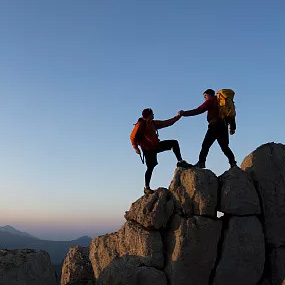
[
  {"x": 266, "y": 166},
  {"x": 238, "y": 194},
  {"x": 145, "y": 247},
  {"x": 195, "y": 191},
  {"x": 26, "y": 266},
  {"x": 276, "y": 267},
  {"x": 152, "y": 211},
  {"x": 77, "y": 266},
  {"x": 129, "y": 270},
  {"x": 243, "y": 253},
  {"x": 191, "y": 246}
]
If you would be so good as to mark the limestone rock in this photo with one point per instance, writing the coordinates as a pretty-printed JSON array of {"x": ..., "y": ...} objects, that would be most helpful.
[
  {"x": 191, "y": 248},
  {"x": 152, "y": 211},
  {"x": 243, "y": 253},
  {"x": 238, "y": 194},
  {"x": 145, "y": 248},
  {"x": 195, "y": 191},
  {"x": 266, "y": 166},
  {"x": 26, "y": 266},
  {"x": 129, "y": 270},
  {"x": 77, "y": 266}
]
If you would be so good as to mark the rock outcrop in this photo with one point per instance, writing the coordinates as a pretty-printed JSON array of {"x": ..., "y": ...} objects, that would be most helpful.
[
  {"x": 26, "y": 266},
  {"x": 243, "y": 252},
  {"x": 238, "y": 195},
  {"x": 175, "y": 237},
  {"x": 77, "y": 267},
  {"x": 191, "y": 246},
  {"x": 195, "y": 191},
  {"x": 152, "y": 211},
  {"x": 266, "y": 166}
]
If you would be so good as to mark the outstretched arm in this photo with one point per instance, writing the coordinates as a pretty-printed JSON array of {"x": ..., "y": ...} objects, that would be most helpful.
[
  {"x": 201, "y": 109},
  {"x": 166, "y": 123}
]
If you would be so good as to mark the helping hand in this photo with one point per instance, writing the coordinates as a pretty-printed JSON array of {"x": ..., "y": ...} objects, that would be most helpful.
[
  {"x": 181, "y": 113},
  {"x": 232, "y": 132}
]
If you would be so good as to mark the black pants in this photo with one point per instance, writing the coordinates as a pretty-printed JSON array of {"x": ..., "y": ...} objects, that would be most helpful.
[
  {"x": 219, "y": 132},
  {"x": 151, "y": 156}
]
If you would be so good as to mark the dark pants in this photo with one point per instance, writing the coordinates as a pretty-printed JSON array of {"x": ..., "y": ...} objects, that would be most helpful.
[
  {"x": 219, "y": 132},
  {"x": 151, "y": 156}
]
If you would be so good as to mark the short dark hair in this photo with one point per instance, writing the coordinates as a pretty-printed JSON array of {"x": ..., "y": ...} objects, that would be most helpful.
[
  {"x": 146, "y": 113},
  {"x": 210, "y": 92}
]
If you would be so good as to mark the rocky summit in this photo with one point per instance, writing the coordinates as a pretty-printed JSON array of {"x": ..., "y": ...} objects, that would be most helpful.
[{"x": 176, "y": 237}]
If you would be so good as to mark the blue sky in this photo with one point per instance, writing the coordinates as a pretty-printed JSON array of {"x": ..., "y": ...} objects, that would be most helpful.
[{"x": 75, "y": 76}]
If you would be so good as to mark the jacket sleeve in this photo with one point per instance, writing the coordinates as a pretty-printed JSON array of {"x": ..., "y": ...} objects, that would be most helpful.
[
  {"x": 166, "y": 123},
  {"x": 134, "y": 133},
  {"x": 233, "y": 125},
  {"x": 201, "y": 109}
]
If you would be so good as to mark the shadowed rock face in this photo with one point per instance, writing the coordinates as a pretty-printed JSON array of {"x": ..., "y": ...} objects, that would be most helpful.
[
  {"x": 195, "y": 191},
  {"x": 174, "y": 237},
  {"x": 238, "y": 195},
  {"x": 77, "y": 266},
  {"x": 277, "y": 266},
  {"x": 243, "y": 252},
  {"x": 152, "y": 211},
  {"x": 191, "y": 246},
  {"x": 26, "y": 266},
  {"x": 266, "y": 166},
  {"x": 145, "y": 248}
]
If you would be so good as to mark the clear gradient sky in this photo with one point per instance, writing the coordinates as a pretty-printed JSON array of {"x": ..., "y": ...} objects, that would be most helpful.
[{"x": 75, "y": 75}]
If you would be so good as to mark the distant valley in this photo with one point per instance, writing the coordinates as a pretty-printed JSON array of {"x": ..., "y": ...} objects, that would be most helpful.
[{"x": 11, "y": 238}]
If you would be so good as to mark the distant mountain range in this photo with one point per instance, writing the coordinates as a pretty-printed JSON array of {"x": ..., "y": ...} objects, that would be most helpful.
[{"x": 10, "y": 238}]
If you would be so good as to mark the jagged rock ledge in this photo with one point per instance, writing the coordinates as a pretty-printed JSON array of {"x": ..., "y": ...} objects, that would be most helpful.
[{"x": 175, "y": 237}]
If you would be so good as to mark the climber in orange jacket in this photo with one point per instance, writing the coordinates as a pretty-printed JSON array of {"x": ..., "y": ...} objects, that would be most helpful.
[{"x": 145, "y": 135}]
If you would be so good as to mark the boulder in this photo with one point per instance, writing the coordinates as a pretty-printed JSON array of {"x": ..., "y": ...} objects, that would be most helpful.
[
  {"x": 26, "y": 266},
  {"x": 195, "y": 191},
  {"x": 77, "y": 266},
  {"x": 238, "y": 194},
  {"x": 145, "y": 247},
  {"x": 191, "y": 249},
  {"x": 243, "y": 253},
  {"x": 129, "y": 270},
  {"x": 266, "y": 166},
  {"x": 152, "y": 211}
]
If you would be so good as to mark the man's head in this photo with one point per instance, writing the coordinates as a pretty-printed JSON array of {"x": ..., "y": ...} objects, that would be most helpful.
[
  {"x": 209, "y": 93},
  {"x": 148, "y": 114}
]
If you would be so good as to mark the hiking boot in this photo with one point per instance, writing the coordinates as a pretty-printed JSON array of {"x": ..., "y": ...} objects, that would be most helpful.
[
  {"x": 200, "y": 165},
  {"x": 184, "y": 164},
  {"x": 233, "y": 164},
  {"x": 147, "y": 190}
]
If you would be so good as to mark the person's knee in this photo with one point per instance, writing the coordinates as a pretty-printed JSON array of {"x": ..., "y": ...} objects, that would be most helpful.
[{"x": 175, "y": 143}]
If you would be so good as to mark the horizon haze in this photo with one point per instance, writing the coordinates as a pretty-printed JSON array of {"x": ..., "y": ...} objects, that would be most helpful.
[{"x": 75, "y": 76}]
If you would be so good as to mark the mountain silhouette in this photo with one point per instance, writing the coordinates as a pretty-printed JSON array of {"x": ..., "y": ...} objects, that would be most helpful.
[{"x": 10, "y": 238}]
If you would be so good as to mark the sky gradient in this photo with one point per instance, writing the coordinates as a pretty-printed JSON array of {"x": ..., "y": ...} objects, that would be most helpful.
[{"x": 75, "y": 76}]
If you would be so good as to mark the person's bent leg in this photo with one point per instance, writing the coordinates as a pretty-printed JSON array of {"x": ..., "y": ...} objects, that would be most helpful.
[
  {"x": 168, "y": 145},
  {"x": 209, "y": 139},
  {"x": 174, "y": 145}
]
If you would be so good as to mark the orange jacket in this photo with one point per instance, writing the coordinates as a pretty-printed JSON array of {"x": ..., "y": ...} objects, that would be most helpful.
[{"x": 147, "y": 132}]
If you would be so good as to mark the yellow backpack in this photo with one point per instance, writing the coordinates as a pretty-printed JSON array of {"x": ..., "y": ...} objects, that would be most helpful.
[{"x": 226, "y": 104}]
